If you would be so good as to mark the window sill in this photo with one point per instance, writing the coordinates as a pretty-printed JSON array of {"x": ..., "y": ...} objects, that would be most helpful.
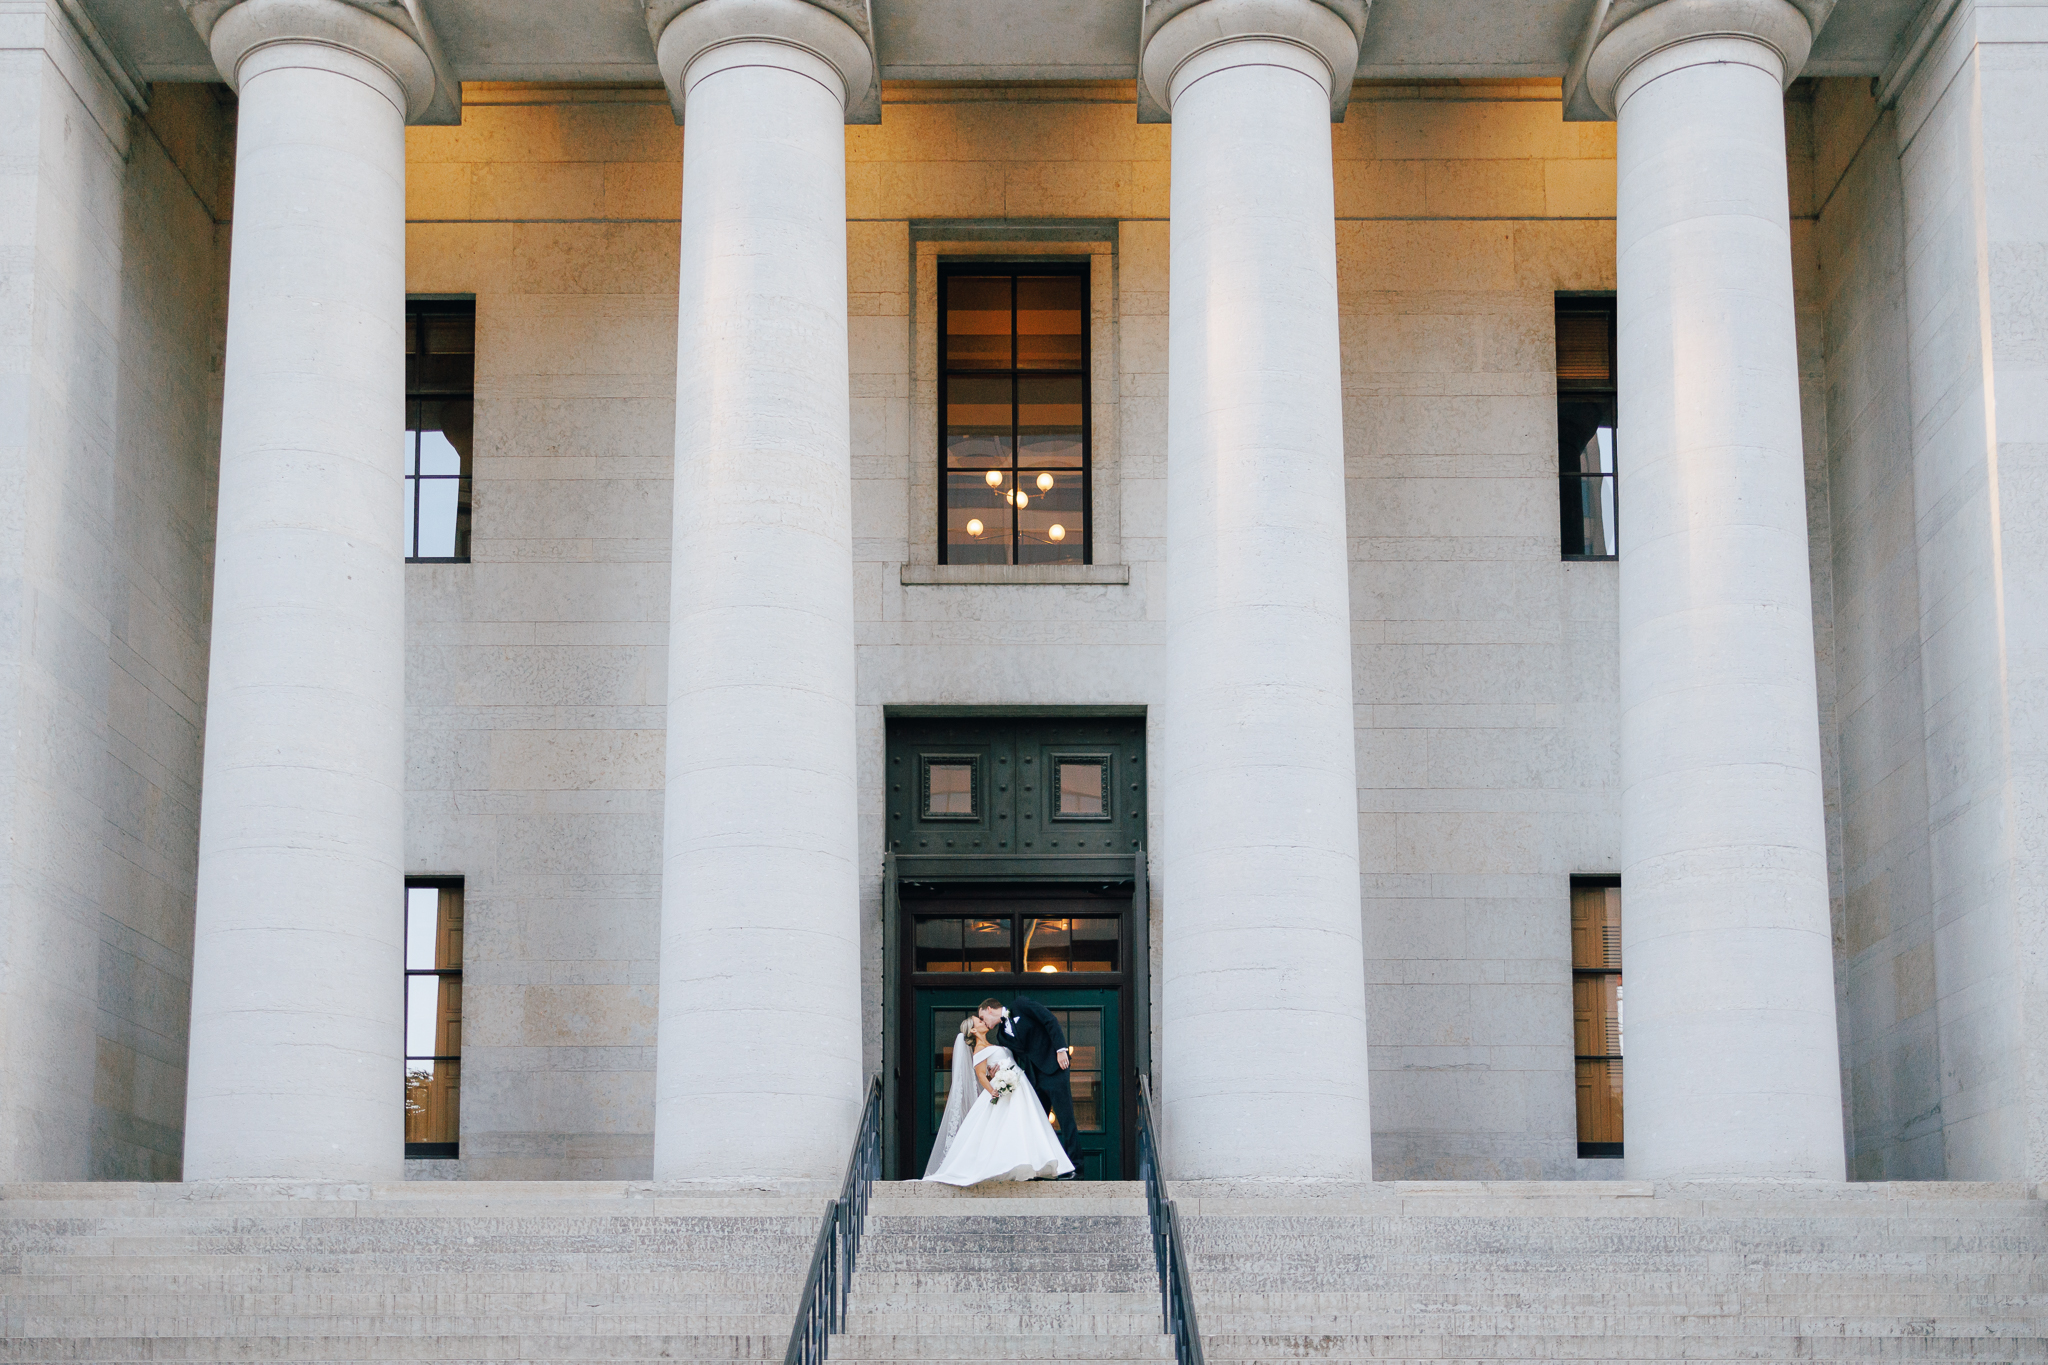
[{"x": 978, "y": 575}]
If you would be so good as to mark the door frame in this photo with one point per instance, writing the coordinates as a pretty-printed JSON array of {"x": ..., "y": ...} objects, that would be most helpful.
[
  {"x": 901, "y": 986},
  {"x": 1115, "y": 1096}
]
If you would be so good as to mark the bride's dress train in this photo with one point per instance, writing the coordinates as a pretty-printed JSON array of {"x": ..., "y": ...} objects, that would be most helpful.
[{"x": 1010, "y": 1140}]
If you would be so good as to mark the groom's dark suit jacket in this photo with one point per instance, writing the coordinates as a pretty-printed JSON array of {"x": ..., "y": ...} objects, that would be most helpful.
[{"x": 1034, "y": 1037}]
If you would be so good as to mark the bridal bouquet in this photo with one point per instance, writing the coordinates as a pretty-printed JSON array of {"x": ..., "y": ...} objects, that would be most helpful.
[{"x": 1004, "y": 1082}]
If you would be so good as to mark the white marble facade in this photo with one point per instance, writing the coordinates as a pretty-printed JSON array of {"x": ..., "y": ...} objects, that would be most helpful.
[{"x": 1836, "y": 845}]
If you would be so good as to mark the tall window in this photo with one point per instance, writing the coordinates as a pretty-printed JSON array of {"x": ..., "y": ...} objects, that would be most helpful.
[
  {"x": 1013, "y": 414},
  {"x": 433, "y": 1016},
  {"x": 1596, "y": 1011},
  {"x": 440, "y": 404},
  {"x": 1585, "y": 427}
]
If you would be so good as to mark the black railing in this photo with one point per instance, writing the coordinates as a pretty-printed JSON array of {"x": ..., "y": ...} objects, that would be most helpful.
[
  {"x": 821, "y": 1309},
  {"x": 1169, "y": 1247}
]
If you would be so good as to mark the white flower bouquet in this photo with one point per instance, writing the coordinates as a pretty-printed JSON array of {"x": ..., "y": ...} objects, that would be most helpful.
[{"x": 1004, "y": 1082}]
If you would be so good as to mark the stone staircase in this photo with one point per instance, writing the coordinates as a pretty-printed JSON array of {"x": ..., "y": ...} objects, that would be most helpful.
[
  {"x": 590, "y": 1271},
  {"x": 436, "y": 1271},
  {"x": 1019, "y": 1274},
  {"x": 1618, "y": 1272}
]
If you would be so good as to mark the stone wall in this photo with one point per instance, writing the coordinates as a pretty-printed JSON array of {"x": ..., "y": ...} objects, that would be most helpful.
[
  {"x": 1485, "y": 666},
  {"x": 159, "y": 590},
  {"x": 1886, "y": 938},
  {"x": 111, "y": 307}
]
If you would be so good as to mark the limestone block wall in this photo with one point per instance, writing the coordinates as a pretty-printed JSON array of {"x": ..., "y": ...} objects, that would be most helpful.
[
  {"x": 110, "y": 327},
  {"x": 159, "y": 592},
  {"x": 1486, "y": 688},
  {"x": 535, "y": 673},
  {"x": 1886, "y": 940}
]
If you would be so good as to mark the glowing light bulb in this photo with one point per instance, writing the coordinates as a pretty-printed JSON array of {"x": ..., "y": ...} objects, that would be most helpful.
[
  {"x": 1023, "y": 499},
  {"x": 1045, "y": 483},
  {"x": 994, "y": 478},
  {"x": 974, "y": 526},
  {"x": 1057, "y": 531},
  {"x": 1048, "y": 969}
]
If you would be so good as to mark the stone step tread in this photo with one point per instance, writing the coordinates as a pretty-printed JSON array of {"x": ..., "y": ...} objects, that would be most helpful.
[{"x": 974, "y": 1346}]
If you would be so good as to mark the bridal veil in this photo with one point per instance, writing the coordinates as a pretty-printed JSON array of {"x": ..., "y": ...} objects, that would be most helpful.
[{"x": 959, "y": 1098}]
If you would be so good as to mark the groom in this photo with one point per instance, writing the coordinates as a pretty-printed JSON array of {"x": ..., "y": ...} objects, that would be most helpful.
[{"x": 1035, "y": 1038}]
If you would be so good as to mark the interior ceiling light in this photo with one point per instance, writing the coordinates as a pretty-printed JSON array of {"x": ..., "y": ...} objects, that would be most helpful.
[
  {"x": 1057, "y": 531},
  {"x": 994, "y": 478},
  {"x": 974, "y": 526},
  {"x": 1045, "y": 483},
  {"x": 1048, "y": 969}
]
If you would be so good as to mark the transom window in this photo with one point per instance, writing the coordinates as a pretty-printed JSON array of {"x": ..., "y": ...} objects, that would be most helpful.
[
  {"x": 950, "y": 788},
  {"x": 1006, "y": 944},
  {"x": 1586, "y": 414},
  {"x": 433, "y": 1017},
  {"x": 1013, "y": 401},
  {"x": 1081, "y": 789},
  {"x": 440, "y": 407}
]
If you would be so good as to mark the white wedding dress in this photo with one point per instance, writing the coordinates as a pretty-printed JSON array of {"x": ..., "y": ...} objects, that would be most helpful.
[{"x": 1007, "y": 1140}]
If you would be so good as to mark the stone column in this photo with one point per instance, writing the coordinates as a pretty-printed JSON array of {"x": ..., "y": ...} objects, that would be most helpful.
[
  {"x": 1264, "y": 976},
  {"x": 1733, "y": 1062},
  {"x": 296, "y": 1064},
  {"x": 759, "y": 1068}
]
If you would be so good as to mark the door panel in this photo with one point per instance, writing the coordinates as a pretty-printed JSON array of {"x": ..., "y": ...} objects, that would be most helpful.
[{"x": 1090, "y": 1019}]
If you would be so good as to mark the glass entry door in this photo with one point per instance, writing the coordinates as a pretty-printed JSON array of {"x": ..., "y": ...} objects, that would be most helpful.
[{"x": 1093, "y": 1027}]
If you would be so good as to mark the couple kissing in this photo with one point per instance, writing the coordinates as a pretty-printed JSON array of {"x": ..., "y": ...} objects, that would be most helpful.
[{"x": 1007, "y": 1065}]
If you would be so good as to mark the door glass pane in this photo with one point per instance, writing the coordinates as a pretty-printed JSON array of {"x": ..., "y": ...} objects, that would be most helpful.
[
  {"x": 978, "y": 322},
  {"x": 1084, "y": 1053},
  {"x": 988, "y": 946},
  {"x": 433, "y": 1092},
  {"x": 978, "y": 422},
  {"x": 938, "y": 945},
  {"x": 945, "y": 1029},
  {"x": 977, "y": 519},
  {"x": 1046, "y": 948},
  {"x": 949, "y": 789},
  {"x": 1049, "y": 421},
  {"x": 1080, "y": 788},
  {"x": 422, "y": 920},
  {"x": 1096, "y": 944},
  {"x": 1049, "y": 322}
]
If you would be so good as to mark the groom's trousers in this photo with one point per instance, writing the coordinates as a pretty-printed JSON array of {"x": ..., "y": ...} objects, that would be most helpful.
[{"x": 1056, "y": 1089}]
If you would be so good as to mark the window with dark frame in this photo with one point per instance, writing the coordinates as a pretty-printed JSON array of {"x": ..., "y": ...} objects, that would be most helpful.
[
  {"x": 1035, "y": 945},
  {"x": 1586, "y": 415},
  {"x": 440, "y": 421},
  {"x": 1596, "y": 1012},
  {"x": 1013, "y": 415},
  {"x": 433, "y": 1016}
]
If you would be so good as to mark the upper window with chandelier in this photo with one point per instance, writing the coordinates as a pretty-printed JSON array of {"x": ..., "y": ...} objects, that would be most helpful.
[{"x": 1013, "y": 414}]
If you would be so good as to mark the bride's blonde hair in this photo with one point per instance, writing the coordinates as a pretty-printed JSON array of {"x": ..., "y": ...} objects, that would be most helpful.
[{"x": 967, "y": 1025}]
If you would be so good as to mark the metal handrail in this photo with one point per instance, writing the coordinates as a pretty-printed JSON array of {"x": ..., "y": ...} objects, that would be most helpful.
[
  {"x": 1169, "y": 1246},
  {"x": 821, "y": 1307}
]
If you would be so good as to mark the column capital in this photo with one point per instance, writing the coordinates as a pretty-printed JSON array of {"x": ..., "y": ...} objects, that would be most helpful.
[
  {"x": 392, "y": 34},
  {"x": 1175, "y": 34},
  {"x": 1624, "y": 34},
  {"x": 839, "y": 33}
]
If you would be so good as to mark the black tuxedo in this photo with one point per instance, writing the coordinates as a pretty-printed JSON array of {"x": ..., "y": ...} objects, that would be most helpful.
[{"x": 1035, "y": 1037}]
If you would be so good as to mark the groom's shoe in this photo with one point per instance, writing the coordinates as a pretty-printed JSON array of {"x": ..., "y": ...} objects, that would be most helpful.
[{"x": 1070, "y": 1175}]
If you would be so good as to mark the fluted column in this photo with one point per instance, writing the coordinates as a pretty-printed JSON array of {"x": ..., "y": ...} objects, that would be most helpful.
[
  {"x": 1733, "y": 1068},
  {"x": 296, "y": 1041},
  {"x": 759, "y": 1065},
  {"x": 1263, "y": 979}
]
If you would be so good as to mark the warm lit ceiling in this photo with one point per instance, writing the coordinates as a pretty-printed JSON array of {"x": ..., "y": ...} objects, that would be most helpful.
[{"x": 606, "y": 40}]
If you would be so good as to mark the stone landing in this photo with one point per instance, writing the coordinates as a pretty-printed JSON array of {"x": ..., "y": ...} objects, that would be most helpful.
[{"x": 593, "y": 1271}]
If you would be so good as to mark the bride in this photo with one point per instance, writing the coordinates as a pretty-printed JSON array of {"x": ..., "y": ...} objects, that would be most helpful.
[{"x": 995, "y": 1128}]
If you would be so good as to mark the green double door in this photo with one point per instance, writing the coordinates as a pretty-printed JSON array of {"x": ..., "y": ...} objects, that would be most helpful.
[{"x": 1094, "y": 1030}]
